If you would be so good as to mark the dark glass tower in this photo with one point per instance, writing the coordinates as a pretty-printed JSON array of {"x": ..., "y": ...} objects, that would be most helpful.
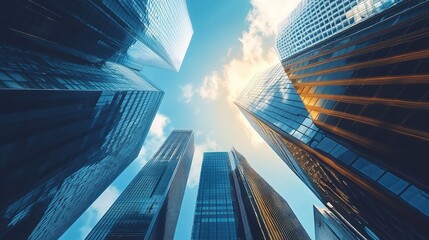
[
  {"x": 368, "y": 85},
  {"x": 329, "y": 226},
  {"x": 131, "y": 33},
  {"x": 67, "y": 131},
  {"x": 149, "y": 207},
  {"x": 369, "y": 196},
  {"x": 72, "y": 115},
  {"x": 234, "y": 202}
]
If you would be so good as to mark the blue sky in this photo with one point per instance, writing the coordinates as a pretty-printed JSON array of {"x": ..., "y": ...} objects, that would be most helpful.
[{"x": 232, "y": 41}]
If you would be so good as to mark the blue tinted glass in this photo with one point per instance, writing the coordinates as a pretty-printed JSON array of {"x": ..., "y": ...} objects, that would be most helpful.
[{"x": 369, "y": 169}]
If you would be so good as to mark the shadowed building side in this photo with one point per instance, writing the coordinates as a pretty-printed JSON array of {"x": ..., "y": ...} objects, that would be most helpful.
[
  {"x": 67, "y": 131},
  {"x": 130, "y": 33}
]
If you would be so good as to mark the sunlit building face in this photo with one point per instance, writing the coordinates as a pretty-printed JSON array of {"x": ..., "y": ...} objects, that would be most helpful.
[
  {"x": 374, "y": 199},
  {"x": 367, "y": 85}
]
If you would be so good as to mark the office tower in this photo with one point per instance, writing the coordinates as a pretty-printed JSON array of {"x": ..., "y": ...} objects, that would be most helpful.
[
  {"x": 234, "y": 202},
  {"x": 217, "y": 215},
  {"x": 366, "y": 85},
  {"x": 330, "y": 227},
  {"x": 268, "y": 215},
  {"x": 67, "y": 131},
  {"x": 372, "y": 198},
  {"x": 131, "y": 33},
  {"x": 74, "y": 114},
  {"x": 149, "y": 207}
]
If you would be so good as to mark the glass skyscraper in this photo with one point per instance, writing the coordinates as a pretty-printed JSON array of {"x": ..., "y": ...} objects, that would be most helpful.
[
  {"x": 131, "y": 33},
  {"x": 217, "y": 215},
  {"x": 67, "y": 131},
  {"x": 234, "y": 202},
  {"x": 74, "y": 113},
  {"x": 374, "y": 199},
  {"x": 149, "y": 207},
  {"x": 368, "y": 84}
]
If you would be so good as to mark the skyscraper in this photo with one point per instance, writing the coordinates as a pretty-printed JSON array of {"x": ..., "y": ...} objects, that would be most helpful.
[
  {"x": 74, "y": 114},
  {"x": 375, "y": 200},
  {"x": 363, "y": 77},
  {"x": 131, "y": 33},
  {"x": 269, "y": 216},
  {"x": 234, "y": 202},
  {"x": 67, "y": 131},
  {"x": 149, "y": 207},
  {"x": 217, "y": 214},
  {"x": 329, "y": 226}
]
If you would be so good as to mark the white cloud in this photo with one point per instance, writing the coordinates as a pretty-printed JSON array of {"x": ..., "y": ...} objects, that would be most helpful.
[
  {"x": 210, "y": 87},
  {"x": 155, "y": 138},
  {"x": 194, "y": 175},
  {"x": 257, "y": 54},
  {"x": 98, "y": 209},
  {"x": 187, "y": 92}
]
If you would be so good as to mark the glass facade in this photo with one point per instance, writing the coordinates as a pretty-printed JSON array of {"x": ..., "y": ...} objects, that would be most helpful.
[
  {"x": 234, "y": 202},
  {"x": 67, "y": 131},
  {"x": 313, "y": 21},
  {"x": 328, "y": 226},
  {"x": 131, "y": 33},
  {"x": 149, "y": 207},
  {"x": 267, "y": 213},
  {"x": 368, "y": 87},
  {"x": 217, "y": 214},
  {"x": 372, "y": 198}
]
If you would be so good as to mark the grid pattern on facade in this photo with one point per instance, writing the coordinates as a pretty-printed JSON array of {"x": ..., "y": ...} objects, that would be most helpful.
[
  {"x": 139, "y": 207},
  {"x": 314, "y": 21},
  {"x": 73, "y": 125},
  {"x": 216, "y": 213},
  {"x": 131, "y": 33},
  {"x": 270, "y": 104},
  {"x": 370, "y": 87},
  {"x": 275, "y": 218}
]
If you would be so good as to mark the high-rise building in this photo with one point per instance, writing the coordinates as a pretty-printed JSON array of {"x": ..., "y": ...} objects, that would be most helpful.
[
  {"x": 328, "y": 226},
  {"x": 268, "y": 215},
  {"x": 67, "y": 131},
  {"x": 362, "y": 72},
  {"x": 372, "y": 198},
  {"x": 131, "y": 33},
  {"x": 234, "y": 202},
  {"x": 74, "y": 114},
  {"x": 217, "y": 214},
  {"x": 149, "y": 207}
]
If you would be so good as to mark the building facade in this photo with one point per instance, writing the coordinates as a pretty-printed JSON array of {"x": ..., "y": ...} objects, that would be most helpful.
[
  {"x": 368, "y": 86},
  {"x": 149, "y": 207},
  {"x": 268, "y": 215},
  {"x": 373, "y": 199},
  {"x": 234, "y": 202},
  {"x": 313, "y": 21},
  {"x": 130, "y": 33},
  {"x": 67, "y": 131},
  {"x": 217, "y": 214},
  {"x": 74, "y": 113},
  {"x": 329, "y": 226}
]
